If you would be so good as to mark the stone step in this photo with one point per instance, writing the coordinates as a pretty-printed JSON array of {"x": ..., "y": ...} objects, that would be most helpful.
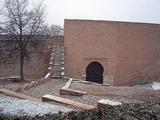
[
  {"x": 55, "y": 76},
  {"x": 56, "y": 63},
  {"x": 56, "y": 68}
]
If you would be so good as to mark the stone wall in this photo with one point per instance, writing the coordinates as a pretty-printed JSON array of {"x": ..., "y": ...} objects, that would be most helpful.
[{"x": 36, "y": 61}]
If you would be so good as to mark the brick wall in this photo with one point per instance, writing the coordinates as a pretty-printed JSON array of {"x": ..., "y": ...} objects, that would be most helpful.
[{"x": 124, "y": 49}]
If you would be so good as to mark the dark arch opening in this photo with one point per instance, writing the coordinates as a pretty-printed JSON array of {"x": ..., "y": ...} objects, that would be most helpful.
[{"x": 94, "y": 72}]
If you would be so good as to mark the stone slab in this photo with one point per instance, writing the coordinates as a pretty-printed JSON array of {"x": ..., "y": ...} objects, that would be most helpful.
[
  {"x": 48, "y": 97},
  {"x": 103, "y": 103}
]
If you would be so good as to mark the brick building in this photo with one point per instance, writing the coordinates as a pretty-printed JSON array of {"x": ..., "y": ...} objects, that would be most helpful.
[{"x": 119, "y": 53}]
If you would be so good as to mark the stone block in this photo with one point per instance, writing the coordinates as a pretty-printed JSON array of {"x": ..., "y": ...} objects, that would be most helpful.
[{"x": 103, "y": 103}]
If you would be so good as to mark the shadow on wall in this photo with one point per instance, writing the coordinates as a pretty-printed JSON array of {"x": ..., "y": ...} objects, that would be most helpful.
[
  {"x": 151, "y": 73},
  {"x": 36, "y": 61}
]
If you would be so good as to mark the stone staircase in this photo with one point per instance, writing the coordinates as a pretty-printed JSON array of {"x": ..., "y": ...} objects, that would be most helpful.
[{"x": 57, "y": 61}]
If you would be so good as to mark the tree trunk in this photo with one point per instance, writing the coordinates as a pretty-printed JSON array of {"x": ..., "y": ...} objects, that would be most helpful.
[{"x": 21, "y": 55}]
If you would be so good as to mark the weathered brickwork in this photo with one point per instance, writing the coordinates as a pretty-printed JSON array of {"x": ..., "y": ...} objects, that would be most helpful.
[{"x": 124, "y": 49}]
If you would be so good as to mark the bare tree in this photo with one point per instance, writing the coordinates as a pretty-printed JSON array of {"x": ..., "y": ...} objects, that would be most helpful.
[
  {"x": 22, "y": 22},
  {"x": 45, "y": 30},
  {"x": 55, "y": 30}
]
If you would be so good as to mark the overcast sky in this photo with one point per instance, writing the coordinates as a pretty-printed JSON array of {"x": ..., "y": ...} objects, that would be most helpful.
[{"x": 117, "y": 10}]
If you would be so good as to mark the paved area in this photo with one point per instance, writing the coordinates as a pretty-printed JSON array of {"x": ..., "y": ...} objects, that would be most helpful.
[{"x": 14, "y": 106}]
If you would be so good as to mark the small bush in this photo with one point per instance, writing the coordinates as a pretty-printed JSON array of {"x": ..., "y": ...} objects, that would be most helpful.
[{"x": 143, "y": 111}]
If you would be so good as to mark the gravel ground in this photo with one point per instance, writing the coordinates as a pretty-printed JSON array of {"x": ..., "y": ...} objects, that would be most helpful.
[
  {"x": 92, "y": 100},
  {"x": 95, "y": 93},
  {"x": 7, "y": 84},
  {"x": 100, "y": 90},
  {"x": 18, "y": 107},
  {"x": 121, "y": 94},
  {"x": 52, "y": 86}
]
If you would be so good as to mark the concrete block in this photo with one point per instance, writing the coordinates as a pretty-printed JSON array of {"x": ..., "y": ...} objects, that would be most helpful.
[{"x": 103, "y": 103}]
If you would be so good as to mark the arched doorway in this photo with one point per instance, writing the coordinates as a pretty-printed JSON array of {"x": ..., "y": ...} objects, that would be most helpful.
[{"x": 94, "y": 72}]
